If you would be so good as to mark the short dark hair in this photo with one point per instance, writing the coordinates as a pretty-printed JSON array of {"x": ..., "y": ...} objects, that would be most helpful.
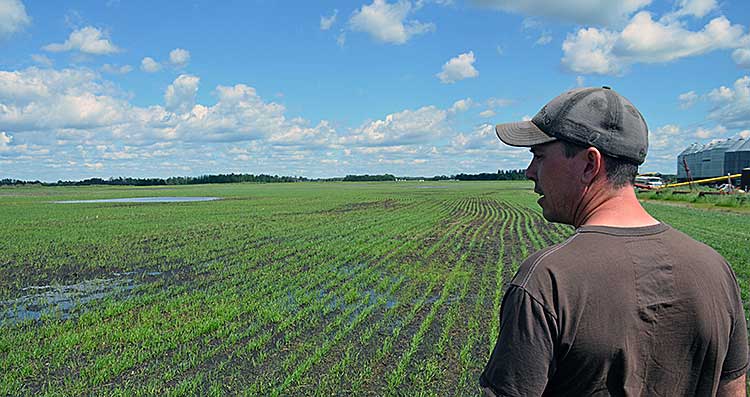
[{"x": 620, "y": 172}]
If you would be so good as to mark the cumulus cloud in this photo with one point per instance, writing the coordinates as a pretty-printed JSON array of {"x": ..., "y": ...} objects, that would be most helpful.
[
  {"x": 180, "y": 95},
  {"x": 590, "y": 51},
  {"x": 461, "y": 105},
  {"x": 149, "y": 65},
  {"x": 42, "y": 99},
  {"x": 114, "y": 69},
  {"x": 5, "y": 141},
  {"x": 488, "y": 113},
  {"x": 327, "y": 22},
  {"x": 499, "y": 102},
  {"x": 387, "y": 22},
  {"x": 406, "y": 127},
  {"x": 664, "y": 137},
  {"x": 732, "y": 105},
  {"x": 717, "y": 131},
  {"x": 321, "y": 135},
  {"x": 179, "y": 57},
  {"x": 688, "y": 99},
  {"x": 458, "y": 68},
  {"x": 585, "y": 12},
  {"x": 696, "y": 8},
  {"x": 601, "y": 51},
  {"x": 41, "y": 59},
  {"x": 544, "y": 39},
  {"x": 13, "y": 17},
  {"x": 89, "y": 40},
  {"x": 741, "y": 57}
]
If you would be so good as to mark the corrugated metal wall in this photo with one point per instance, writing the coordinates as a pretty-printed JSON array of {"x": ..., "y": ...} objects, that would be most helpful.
[
  {"x": 738, "y": 157},
  {"x": 714, "y": 159}
]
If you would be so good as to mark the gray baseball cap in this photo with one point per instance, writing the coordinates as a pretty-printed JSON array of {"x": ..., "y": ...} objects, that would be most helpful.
[{"x": 597, "y": 117}]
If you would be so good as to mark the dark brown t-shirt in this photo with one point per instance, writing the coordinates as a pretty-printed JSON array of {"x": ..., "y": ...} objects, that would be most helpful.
[{"x": 644, "y": 311}]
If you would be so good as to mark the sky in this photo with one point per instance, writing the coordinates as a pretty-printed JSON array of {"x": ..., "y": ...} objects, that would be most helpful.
[{"x": 331, "y": 88}]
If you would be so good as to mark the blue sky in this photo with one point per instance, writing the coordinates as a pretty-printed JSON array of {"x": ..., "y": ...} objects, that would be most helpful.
[{"x": 320, "y": 89}]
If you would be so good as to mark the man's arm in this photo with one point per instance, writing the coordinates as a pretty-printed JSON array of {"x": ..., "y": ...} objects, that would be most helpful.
[
  {"x": 520, "y": 363},
  {"x": 732, "y": 388}
]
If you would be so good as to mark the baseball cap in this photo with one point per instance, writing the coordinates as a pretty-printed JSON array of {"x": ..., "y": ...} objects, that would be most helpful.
[{"x": 598, "y": 117}]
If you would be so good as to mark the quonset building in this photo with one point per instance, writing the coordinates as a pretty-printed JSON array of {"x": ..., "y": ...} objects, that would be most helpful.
[{"x": 718, "y": 158}]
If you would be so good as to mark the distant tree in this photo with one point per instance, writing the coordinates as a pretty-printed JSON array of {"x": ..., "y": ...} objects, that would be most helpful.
[{"x": 369, "y": 178}]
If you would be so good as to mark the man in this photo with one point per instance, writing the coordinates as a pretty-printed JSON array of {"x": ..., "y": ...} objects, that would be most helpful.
[{"x": 627, "y": 306}]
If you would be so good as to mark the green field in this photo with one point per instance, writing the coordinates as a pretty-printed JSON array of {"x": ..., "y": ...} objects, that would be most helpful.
[{"x": 278, "y": 289}]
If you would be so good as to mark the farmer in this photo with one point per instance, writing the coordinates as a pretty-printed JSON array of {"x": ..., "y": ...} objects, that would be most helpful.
[{"x": 627, "y": 305}]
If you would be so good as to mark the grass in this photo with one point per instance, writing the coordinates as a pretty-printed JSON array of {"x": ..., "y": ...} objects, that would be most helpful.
[
  {"x": 278, "y": 289},
  {"x": 739, "y": 202}
]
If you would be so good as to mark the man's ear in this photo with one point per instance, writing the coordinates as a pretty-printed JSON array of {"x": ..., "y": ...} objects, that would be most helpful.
[{"x": 593, "y": 165}]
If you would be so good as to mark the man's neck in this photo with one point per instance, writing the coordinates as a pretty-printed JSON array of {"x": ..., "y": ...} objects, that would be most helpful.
[{"x": 617, "y": 208}]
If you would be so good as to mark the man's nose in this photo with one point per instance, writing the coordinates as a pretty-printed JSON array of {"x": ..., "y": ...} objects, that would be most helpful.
[{"x": 530, "y": 172}]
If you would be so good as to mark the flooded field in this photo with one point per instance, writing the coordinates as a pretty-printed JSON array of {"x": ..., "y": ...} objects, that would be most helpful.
[{"x": 141, "y": 200}]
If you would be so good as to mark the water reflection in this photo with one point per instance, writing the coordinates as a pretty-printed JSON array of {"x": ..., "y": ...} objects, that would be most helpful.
[{"x": 142, "y": 200}]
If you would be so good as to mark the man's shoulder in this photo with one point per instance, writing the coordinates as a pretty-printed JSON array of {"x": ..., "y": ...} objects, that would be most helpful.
[{"x": 544, "y": 260}]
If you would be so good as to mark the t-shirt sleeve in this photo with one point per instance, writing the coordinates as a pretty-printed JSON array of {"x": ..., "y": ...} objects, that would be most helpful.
[
  {"x": 522, "y": 359},
  {"x": 736, "y": 361}
]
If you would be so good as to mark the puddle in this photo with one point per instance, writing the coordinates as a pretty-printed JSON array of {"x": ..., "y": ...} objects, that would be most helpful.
[
  {"x": 63, "y": 301},
  {"x": 141, "y": 200}
]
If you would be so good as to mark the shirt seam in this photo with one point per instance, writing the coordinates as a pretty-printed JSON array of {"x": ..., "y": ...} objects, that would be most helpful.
[
  {"x": 541, "y": 257},
  {"x": 537, "y": 301}
]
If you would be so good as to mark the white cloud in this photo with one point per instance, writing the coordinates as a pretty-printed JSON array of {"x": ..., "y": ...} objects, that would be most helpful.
[
  {"x": 583, "y": 12},
  {"x": 499, "y": 102},
  {"x": 461, "y": 105},
  {"x": 13, "y": 17},
  {"x": 38, "y": 99},
  {"x": 179, "y": 57},
  {"x": 664, "y": 137},
  {"x": 688, "y": 99},
  {"x": 341, "y": 39},
  {"x": 601, "y": 51},
  {"x": 327, "y": 22},
  {"x": 180, "y": 95},
  {"x": 406, "y": 127},
  {"x": 387, "y": 23},
  {"x": 744, "y": 134},
  {"x": 321, "y": 135},
  {"x": 580, "y": 81},
  {"x": 741, "y": 57},
  {"x": 149, "y": 65},
  {"x": 704, "y": 133},
  {"x": 5, "y": 141},
  {"x": 721, "y": 94},
  {"x": 89, "y": 40},
  {"x": 459, "y": 68},
  {"x": 590, "y": 51},
  {"x": 732, "y": 105},
  {"x": 696, "y": 8},
  {"x": 41, "y": 59},
  {"x": 544, "y": 39},
  {"x": 482, "y": 136},
  {"x": 114, "y": 69},
  {"x": 94, "y": 166},
  {"x": 488, "y": 113}
]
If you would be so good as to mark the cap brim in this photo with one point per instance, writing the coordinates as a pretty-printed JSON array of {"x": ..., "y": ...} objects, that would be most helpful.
[{"x": 522, "y": 133}]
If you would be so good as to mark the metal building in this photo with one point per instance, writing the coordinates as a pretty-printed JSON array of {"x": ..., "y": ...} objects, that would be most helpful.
[
  {"x": 714, "y": 159},
  {"x": 738, "y": 157}
]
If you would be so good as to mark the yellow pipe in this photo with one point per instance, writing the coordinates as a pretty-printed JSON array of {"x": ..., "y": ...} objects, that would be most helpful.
[{"x": 719, "y": 178}]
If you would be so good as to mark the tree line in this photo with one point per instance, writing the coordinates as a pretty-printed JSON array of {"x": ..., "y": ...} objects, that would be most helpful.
[{"x": 501, "y": 175}]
